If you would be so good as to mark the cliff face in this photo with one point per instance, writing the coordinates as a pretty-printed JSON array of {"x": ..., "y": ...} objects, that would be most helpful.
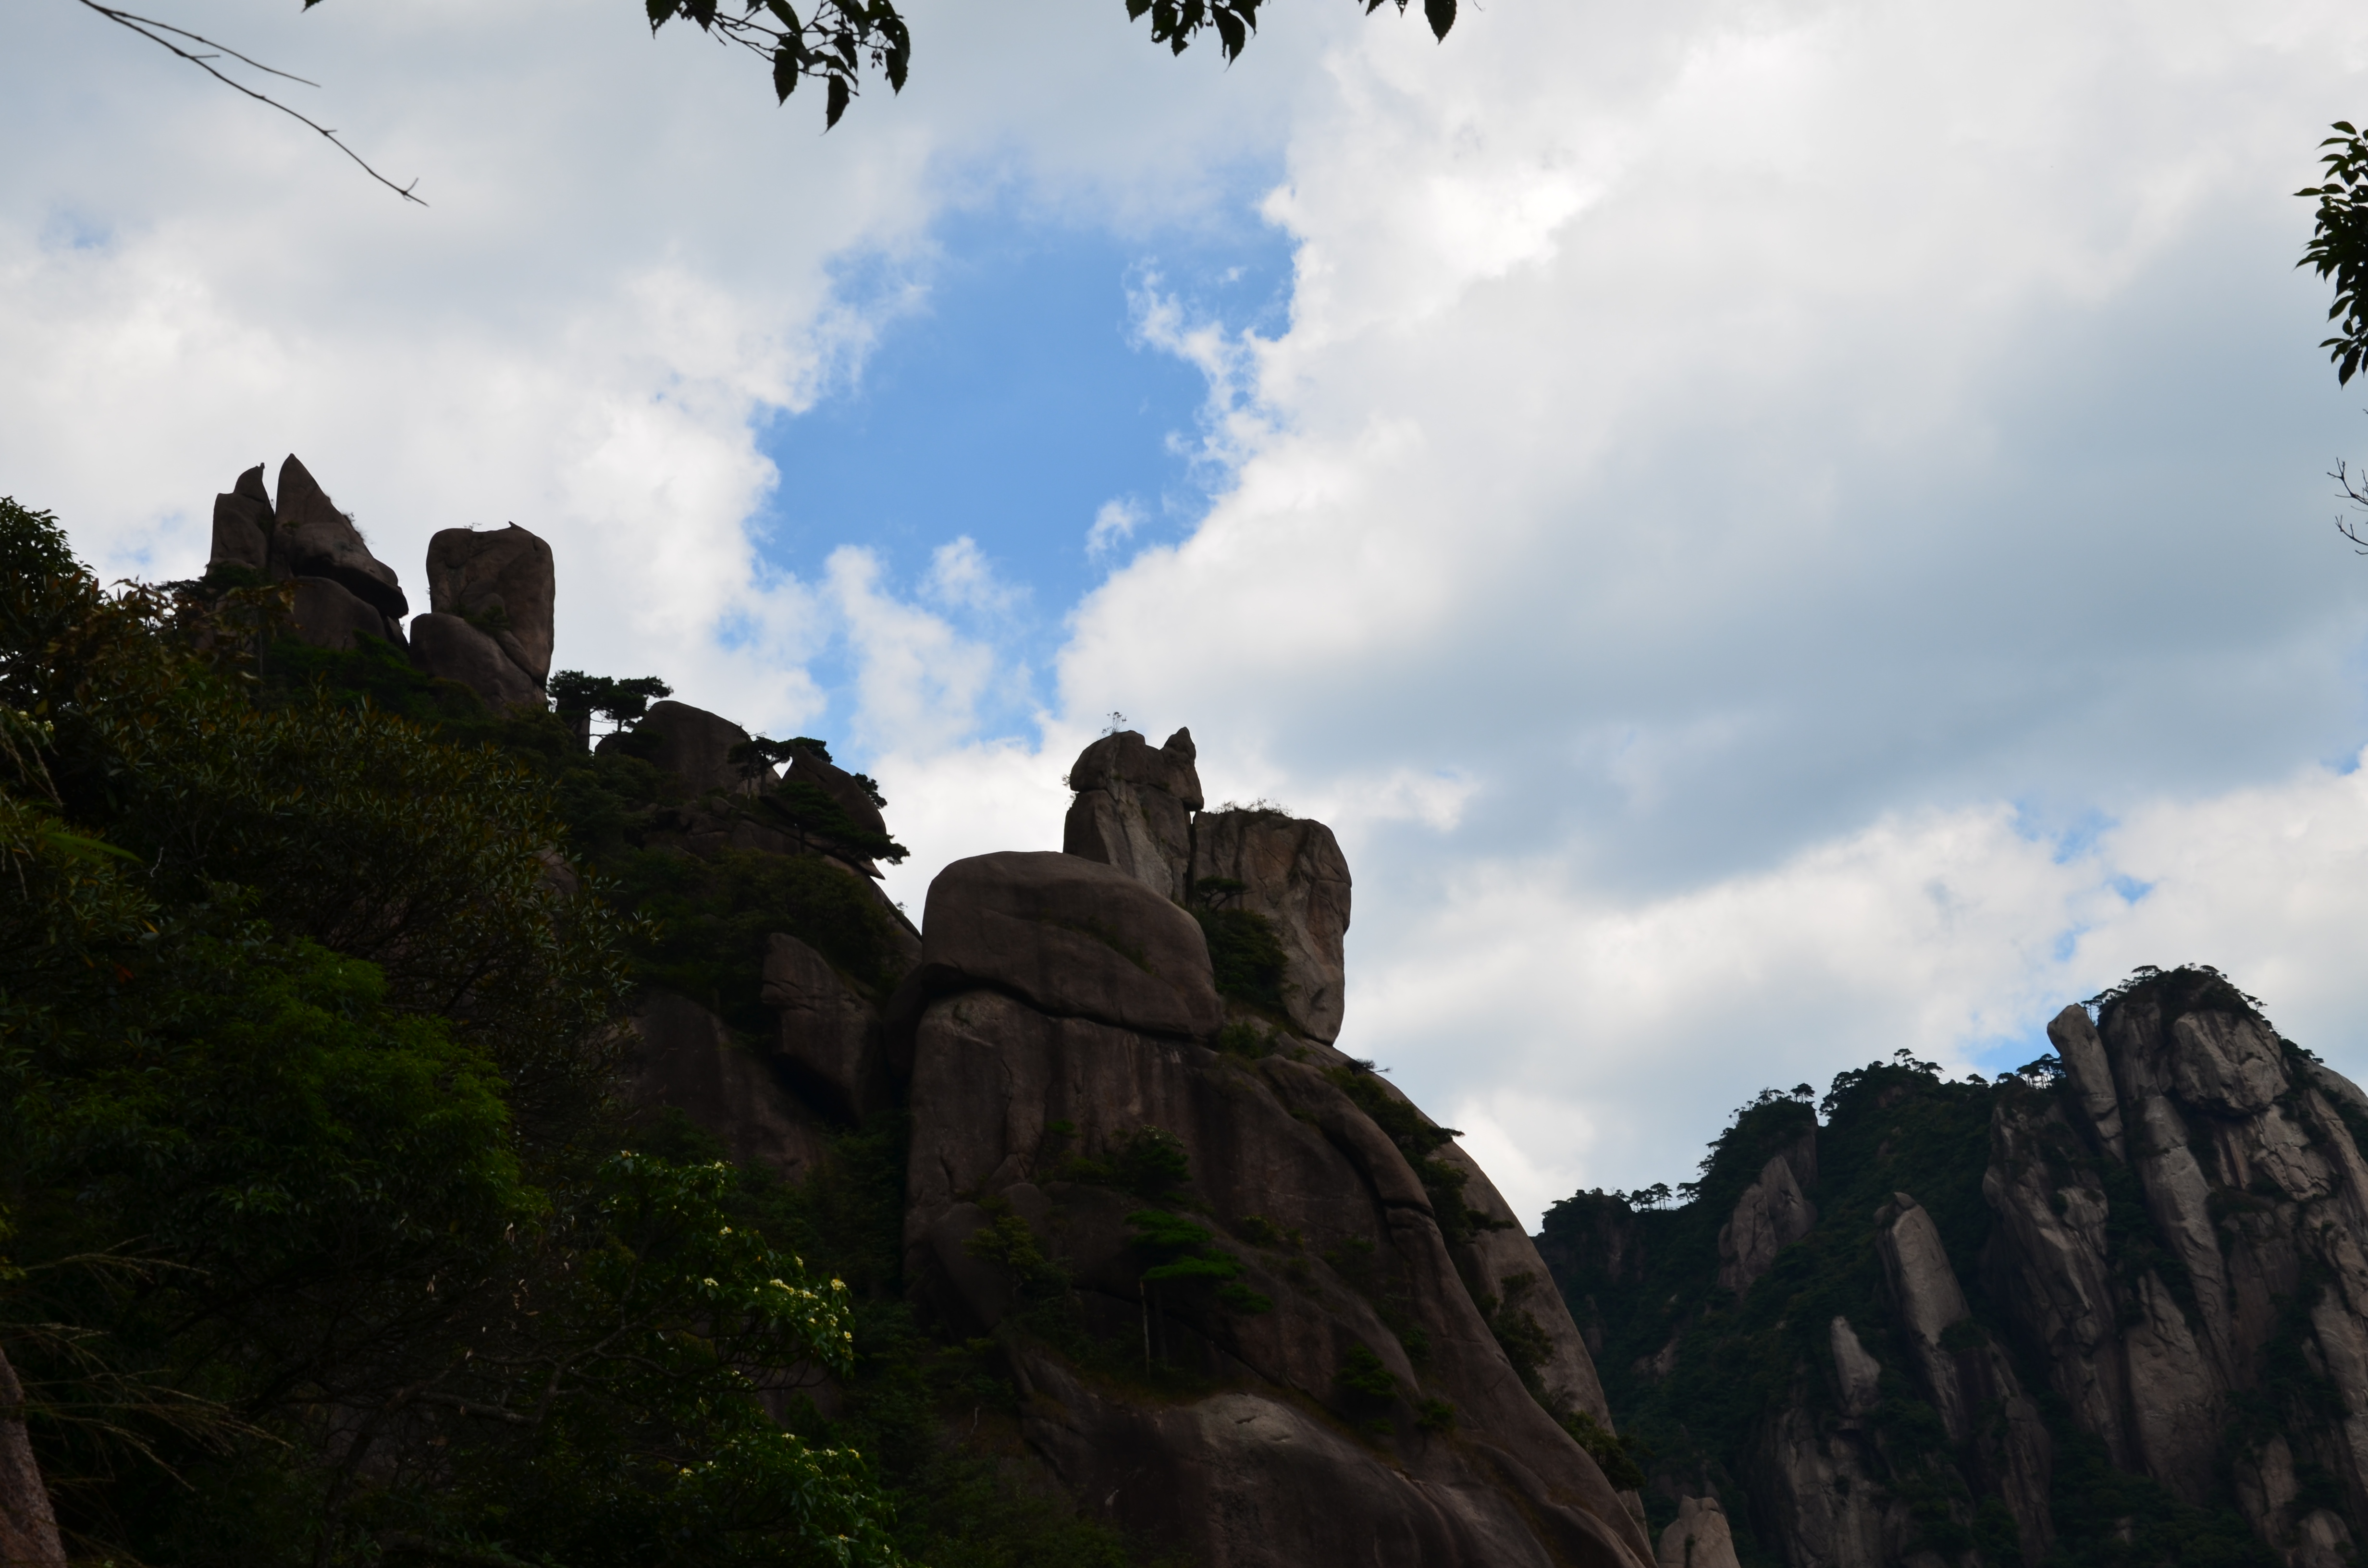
[
  {"x": 2109, "y": 1309},
  {"x": 1252, "y": 1307}
]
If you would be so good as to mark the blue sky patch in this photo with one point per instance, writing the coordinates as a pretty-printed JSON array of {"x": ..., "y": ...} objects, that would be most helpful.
[{"x": 1012, "y": 407}]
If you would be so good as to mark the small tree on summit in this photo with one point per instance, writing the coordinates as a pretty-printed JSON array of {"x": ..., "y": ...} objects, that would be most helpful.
[{"x": 622, "y": 702}]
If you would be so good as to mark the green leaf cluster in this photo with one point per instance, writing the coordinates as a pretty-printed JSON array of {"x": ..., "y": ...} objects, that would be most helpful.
[
  {"x": 2338, "y": 244},
  {"x": 831, "y": 44}
]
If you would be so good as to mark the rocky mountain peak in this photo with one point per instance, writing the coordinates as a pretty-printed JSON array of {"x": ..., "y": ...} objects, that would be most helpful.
[
  {"x": 1226, "y": 1268},
  {"x": 489, "y": 627},
  {"x": 2108, "y": 1309}
]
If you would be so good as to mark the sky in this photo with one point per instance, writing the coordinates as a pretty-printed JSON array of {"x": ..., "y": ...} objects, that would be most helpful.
[{"x": 1775, "y": 532}]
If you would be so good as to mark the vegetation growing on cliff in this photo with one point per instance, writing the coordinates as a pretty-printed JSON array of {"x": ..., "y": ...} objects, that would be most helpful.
[
  {"x": 326, "y": 1241},
  {"x": 1696, "y": 1373}
]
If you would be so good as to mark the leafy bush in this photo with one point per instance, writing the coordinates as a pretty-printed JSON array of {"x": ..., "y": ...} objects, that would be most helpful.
[
  {"x": 1149, "y": 1162},
  {"x": 1365, "y": 1375},
  {"x": 1614, "y": 1455},
  {"x": 1247, "y": 957}
]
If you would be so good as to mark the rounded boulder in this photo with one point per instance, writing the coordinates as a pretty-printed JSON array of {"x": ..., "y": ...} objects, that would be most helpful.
[{"x": 1072, "y": 938}]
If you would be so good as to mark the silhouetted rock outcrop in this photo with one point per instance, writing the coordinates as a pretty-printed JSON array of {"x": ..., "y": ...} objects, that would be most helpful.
[
  {"x": 310, "y": 537},
  {"x": 686, "y": 1057},
  {"x": 840, "y": 786},
  {"x": 691, "y": 744},
  {"x": 1370, "y": 1326},
  {"x": 342, "y": 591},
  {"x": 1134, "y": 808},
  {"x": 500, "y": 581},
  {"x": 1073, "y": 939},
  {"x": 243, "y": 524},
  {"x": 1290, "y": 872},
  {"x": 452, "y": 649},
  {"x": 1228, "y": 1270}
]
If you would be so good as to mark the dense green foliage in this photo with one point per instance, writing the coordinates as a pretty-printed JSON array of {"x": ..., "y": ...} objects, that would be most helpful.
[
  {"x": 1642, "y": 1275},
  {"x": 323, "y": 1237},
  {"x": 321, "y": 1251}
]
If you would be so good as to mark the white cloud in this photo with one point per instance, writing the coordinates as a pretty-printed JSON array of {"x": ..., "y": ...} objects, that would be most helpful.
[
  {"x": 961, "y": 578},
  {"x": 917, "y": 681},
  {"x": 1115, "y": 524}
]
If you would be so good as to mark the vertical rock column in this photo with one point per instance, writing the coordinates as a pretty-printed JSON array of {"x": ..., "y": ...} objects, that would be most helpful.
[
  {"x": 1970, "y": 1380},
  {"x": 489, "y": 626},
  {"x": 1134, "y": 808},
  {"x": 343, "y": 591},
  {"x": 1290, "y": 871}
]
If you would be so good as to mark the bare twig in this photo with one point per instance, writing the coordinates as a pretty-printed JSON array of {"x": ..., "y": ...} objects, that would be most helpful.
[
  {"x": 154, "y": 31},
  {"x": 2356, "y": 492}
]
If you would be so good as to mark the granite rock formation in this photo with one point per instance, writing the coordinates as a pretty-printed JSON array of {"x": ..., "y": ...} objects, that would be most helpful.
[
  {"x": 692, "y": 744},
  {"x": 2235, "y": 1343},
  {"x": 1770, "y": 1216},
  {"x": 1061, "y": 1129},
  {"x": 2107, "y": 1308},
  {"x": 243, "y": 524},
  {"x": 840, "y": 787},
  {"x": 1288, "y": 871},
  {"x": 1698, "y": 1537},
  {"x": 1134, "y": 809},
  {"x": 310, "y": 537},
  {"x": 1226, "y": 1267},
  {"x": 489, "y": 627},
  {"x": 1140, "y": 810},
  {"x": 827, "y": 1039},
  {"x": 1071, "y": 938},
  {"x": 502, "y": 582},
  {"x": 342, "y": 591},
  {"x": 683, "y": 1055},
  {"x": 452, "y": 649}
]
